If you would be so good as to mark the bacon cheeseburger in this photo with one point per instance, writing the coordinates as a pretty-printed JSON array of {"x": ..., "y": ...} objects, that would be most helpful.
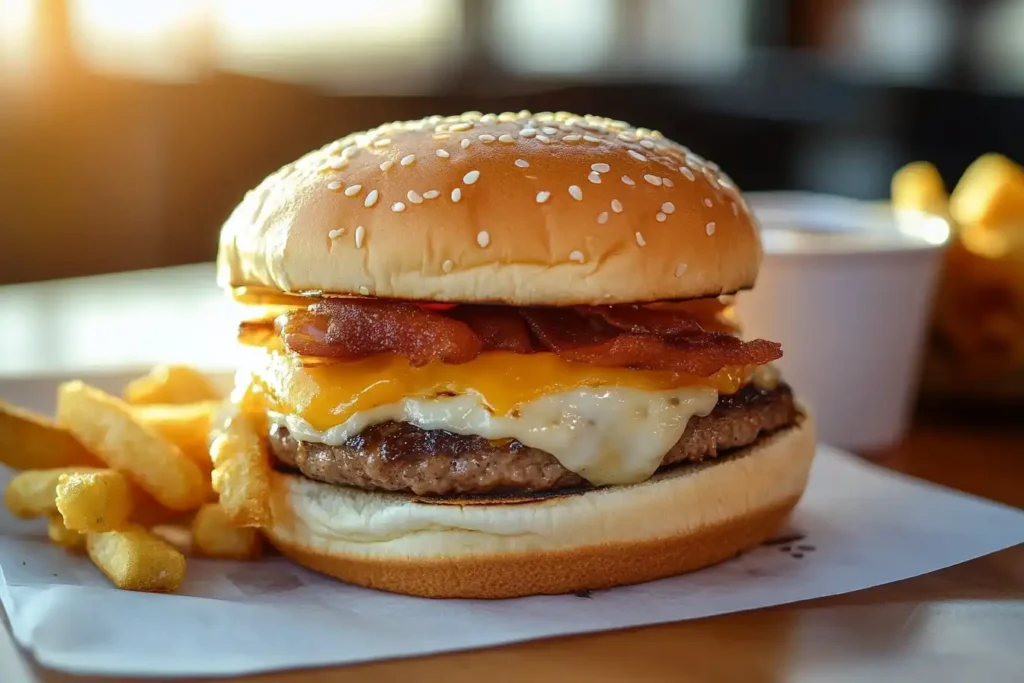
[{"x": 496, "y": 361}]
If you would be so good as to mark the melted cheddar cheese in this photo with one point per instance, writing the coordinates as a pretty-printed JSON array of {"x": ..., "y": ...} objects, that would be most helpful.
[{"x": 327, "y": 394}]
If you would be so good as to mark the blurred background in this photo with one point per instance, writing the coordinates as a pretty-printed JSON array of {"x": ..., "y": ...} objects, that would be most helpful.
[{"x": 129, "y": 129}]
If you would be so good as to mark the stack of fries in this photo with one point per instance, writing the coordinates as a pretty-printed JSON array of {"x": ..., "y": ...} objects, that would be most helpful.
[
  {"x": 122, "y": 480},
  {"x": 977, "y": 345}
]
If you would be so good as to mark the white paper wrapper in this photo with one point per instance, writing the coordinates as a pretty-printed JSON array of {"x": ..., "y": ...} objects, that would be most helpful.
[{"x": 857, "y": 526}]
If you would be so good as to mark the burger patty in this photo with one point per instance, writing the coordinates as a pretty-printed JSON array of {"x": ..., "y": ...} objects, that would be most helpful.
[{"x": 398, "y": 456}]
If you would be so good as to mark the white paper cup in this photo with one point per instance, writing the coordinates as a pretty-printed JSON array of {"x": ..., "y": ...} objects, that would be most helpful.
[{"x": 846, "y": 287}]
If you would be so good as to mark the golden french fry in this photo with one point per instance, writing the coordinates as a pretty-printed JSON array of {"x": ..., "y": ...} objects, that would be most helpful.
[
  {"x": 94, "y": 501},
  {"x": 62, "y": 536},
  {"x": 919, "y": 186},
  {"x": 136, "y": 560},
  {"x": 187, "y": 426},
  {"x": 32, "y": 442},
  {"x": 34, "y": 493},
  {"x": 213, "y": 535},
  {"x": 173, "y": 384},
  {"x": 990, "y": 193},
  {"x": 178, "y": 536},
  {"x": 241, "y": 472},
  {"x": 105, "y": 425}
]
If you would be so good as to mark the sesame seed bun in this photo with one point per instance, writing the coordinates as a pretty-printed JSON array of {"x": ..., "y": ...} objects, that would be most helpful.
[
  {"x": 524, "y": 209},
  {"x": 683, "y": 519}
]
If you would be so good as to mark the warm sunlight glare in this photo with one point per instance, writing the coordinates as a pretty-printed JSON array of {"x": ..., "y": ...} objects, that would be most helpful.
[{"x": 17, "y": 29}]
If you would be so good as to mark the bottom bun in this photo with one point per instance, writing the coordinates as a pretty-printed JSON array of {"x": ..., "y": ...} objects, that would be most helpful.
[{"x": 679, "y": 520}]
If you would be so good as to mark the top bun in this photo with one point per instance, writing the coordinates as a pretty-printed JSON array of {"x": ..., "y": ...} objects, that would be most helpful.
[{"x": 524, "y": 209}]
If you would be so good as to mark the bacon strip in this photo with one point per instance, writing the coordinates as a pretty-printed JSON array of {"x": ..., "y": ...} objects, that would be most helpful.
[
  {"x": 583, "y": 340},
  {"x": 620, "y": 336},
  {"x": 500, "y": 328},
  {"x": 639, "y": 320},
  {"x": 355, "y": 328}
]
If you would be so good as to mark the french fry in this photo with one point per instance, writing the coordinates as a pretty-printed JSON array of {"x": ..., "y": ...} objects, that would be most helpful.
[
  {"x": 919, "y": 186},
  {"x": 990, "y": 193},
  {"x": 213, "y": 535},
  {"x": 105, "y": 425},
  {"x": 34, "y": 493},
  {"x": 241, "y": 472},
  {"x": 94, "y": 501},
  {"x": 187, "y": 426},
  {"x": 179, "y": 537},
  {"x": 173, "y": 384},
  {"x": 62, "y": 536},
  {"x": 136, "y": 560},
  {"x": 32, "y": 442}
]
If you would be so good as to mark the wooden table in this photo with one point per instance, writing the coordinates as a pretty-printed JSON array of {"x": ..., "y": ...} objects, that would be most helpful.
[{"x": 963, "y": 623}]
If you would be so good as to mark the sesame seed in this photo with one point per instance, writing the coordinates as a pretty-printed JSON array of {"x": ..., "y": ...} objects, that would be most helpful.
[
  {"x": 338, "y": 164},
  {"x": 668, "y": 182},
  {"x": 522, "y": 163},
  {"x": 669, "y": 208},
  {"x": 543, "y": 196},
  {"x": 594, "y": 177},
  {"x": 466, "y": 142},
  {"x": 447, "y": 266},
  {"x": 335, "y": 234},
  {"x": 707, "y": 202},
  {"x": 660, "y": 217},
  {"x": 440, "y": 136},
  {"x": 544, "y": 138},
  {"x": 431, "y": 194},
  {"x": 398, "y": 207},
  {"x": 459, "y": 127},
  {"x": 383, "y": 142},
  {"x": 602, "y": 217},
  {"x": 414, "y": 197},
  {"x": 680, "y": 269},
  {"x": 333, "y": 185},
  {"x": 627, "y": 137},
  {"x": 640, "y": 240},
  {"x": 486, "y": 138},
  {"x": 548, "y": 130},
  {"x": 591, "y": 138},
  {"x": 371, "y": 198},
  {"x": 483, "y": 239},
  {"x": 456, "y": 195},
  {"x": 735, "y": 209},
  {"x": 443, "y": 153},
  {"x": 571, "y": 138},
  {"x": 647, "y": 144},
  {"x": 600, "y": 168},
  {"x": 652, "y": 179},
  {"x": 637, "y": 155},
  {"x": 576, "y": 256},
  {"x": 386, "y": 165},
  {"x": 710, "y": 228},
  {"x": 349, "y": 152},
  {"x": 360, "y": 234},
  {"x": 628, "y": 181},
  {"x": 687, "y": 173},
  {"x": 408, "y": 160},
  {"x": 506, "y": 138},
  {"x": 576, "y": 192},
  {"x": 364, "y": 290},
  {"x": 616, "y": 206},
  {"x": 352, "y": 190},
  {"x": 471, "y": 177},
  {"x": 527, "y": 132}
]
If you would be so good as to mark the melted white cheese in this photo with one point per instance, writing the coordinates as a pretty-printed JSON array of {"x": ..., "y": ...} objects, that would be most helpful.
[{"x": 608, "y": 435}]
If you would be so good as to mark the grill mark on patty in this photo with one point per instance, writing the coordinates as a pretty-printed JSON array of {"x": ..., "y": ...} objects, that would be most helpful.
[{"x": 398, "y": 456}]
